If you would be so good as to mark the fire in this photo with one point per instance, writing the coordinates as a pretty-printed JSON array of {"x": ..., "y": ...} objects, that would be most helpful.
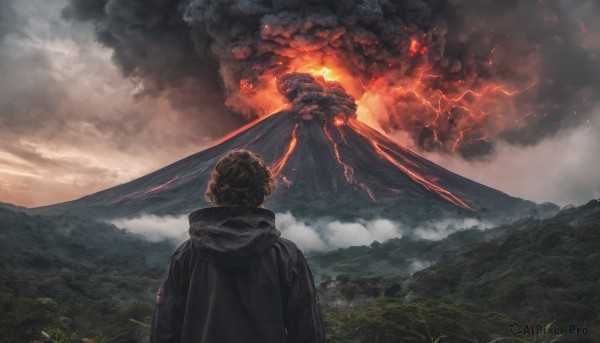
[
  {"x": 261, "y": 94},
  {"x": 327, "y": 73},
  {"x": 437, "y": 106},
  {"x": 416, "y": 102},
  {"x": 348, "y": 171},
  {"x": 278, "y": 166},
  {"x": 247, "y": 88},
  {"x": 406, "y": 166},
  {"x": 330, "y": 69},
  {"x": 414, "y": 47}
]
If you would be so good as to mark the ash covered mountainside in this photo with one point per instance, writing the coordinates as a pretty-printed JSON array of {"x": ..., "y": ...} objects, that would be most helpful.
[{"x": 325, "y": 163}]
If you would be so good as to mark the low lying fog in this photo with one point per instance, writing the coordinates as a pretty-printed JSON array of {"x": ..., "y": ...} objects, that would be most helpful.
[{"x": 311, "y": 236}]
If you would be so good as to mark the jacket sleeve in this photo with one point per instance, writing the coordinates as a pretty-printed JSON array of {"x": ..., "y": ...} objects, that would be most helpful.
[
  {"x": 167, "y": 321},
  {"x": 304, "y": 320}
]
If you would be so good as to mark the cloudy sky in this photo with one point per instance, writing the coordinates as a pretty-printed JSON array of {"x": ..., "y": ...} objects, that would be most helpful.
[{"x": 76, "y": 116}]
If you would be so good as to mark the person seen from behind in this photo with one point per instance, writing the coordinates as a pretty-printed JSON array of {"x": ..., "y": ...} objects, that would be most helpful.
[{"x": 235, "y": 280}]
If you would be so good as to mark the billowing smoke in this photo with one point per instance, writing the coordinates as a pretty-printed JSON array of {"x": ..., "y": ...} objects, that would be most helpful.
[
  {"x": 313, "y": 99},
  {"x": 454, "y": 76}
]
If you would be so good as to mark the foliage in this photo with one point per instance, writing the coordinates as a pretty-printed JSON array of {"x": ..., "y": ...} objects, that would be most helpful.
[
  {"x": 547, "y": 271},
  {"x": 75, "y": 280},
  {"x": 428, "y": 321},
  {"x": 398, "y": 256},
  {"x": 67, "y": 279}
]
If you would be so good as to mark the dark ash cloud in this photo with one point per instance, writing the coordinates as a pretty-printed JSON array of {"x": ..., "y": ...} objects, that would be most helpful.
[
  {"x": 97, "y": 92},
  {"x": 316, "y": 99},
  {"x": 537, "y": 48}
]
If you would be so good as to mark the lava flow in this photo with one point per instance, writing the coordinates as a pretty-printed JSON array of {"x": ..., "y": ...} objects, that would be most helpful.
[
  {"x": 348, "y": 171},
  {"x": 430, "y": 186},
  {"x": 277, "y": 167},
  {"x": 313, "y": 99}
]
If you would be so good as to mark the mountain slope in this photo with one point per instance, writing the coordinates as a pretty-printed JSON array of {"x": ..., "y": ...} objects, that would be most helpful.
[
  {"x": 322, "y": 169},
  {"x": 46, "y": 243},
  {"x": 545, "y": 271}
]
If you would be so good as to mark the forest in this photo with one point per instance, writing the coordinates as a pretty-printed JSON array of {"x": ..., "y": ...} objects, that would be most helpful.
[{"x": 69, "y": 279}]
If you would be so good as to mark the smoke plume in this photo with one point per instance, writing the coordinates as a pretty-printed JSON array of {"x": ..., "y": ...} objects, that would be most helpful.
[
  {"x": 312, "y": 99},
  {"x": 454, "y": 76}
]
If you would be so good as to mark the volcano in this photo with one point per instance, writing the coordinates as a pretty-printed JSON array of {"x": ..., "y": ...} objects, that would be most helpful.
[{"x": 325, "y": 162}]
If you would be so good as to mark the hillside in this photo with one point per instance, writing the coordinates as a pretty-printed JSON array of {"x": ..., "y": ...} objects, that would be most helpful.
[
  {"x": 322, "y": 169},
  {"x": 538, "y": 272},
  {"x": 12, "y": 207},
  {"x": 45, "y": 243},
  {"x": 406, "y": 255},
  {"x": 547, "y": 271},
  {"x": 77, "y": 278},
  {"x": 64, "y": 274}
]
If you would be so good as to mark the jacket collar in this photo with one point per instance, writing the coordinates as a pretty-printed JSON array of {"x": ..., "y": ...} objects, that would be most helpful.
[{"x": 232, "y": 235}]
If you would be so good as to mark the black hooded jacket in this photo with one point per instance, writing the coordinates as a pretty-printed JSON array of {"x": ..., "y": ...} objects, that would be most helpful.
[{"x": 235, "y": 281}]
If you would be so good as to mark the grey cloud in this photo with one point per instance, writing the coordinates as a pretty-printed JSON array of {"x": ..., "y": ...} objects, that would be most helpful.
[
  {"x": 164, "y": 42},
  {"x": 71, "y": 124},
  {"x": 9, "y": 19},
  {"x": 562, "y": 169}
]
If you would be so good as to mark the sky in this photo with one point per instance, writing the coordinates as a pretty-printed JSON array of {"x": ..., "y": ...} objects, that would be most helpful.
[{"x": 78, "y": 115}]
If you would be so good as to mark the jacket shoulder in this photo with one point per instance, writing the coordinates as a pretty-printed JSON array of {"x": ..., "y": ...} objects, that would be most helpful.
[
  {"x": 288, "y": 252},
  {"x": 182, "y": 250}
]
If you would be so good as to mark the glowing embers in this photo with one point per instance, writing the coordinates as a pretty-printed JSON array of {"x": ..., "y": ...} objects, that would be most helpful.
[
  {"x": 430, "y": 186},
  {"x": 277, "y": 167},
  {"x": 417, "y": 47},
  {"x": 348, "y": 171},
  {"x": 327, "y": 73}
]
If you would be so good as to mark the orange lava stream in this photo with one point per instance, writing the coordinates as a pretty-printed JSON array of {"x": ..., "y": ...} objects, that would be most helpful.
[
  {"x": 342, "y": 134},
  {"x": 348, "y": 171},
  {"x": 159, "y": 187},
  {"x": 447, "y": 195},
  {"x": 277, "y": 167}
]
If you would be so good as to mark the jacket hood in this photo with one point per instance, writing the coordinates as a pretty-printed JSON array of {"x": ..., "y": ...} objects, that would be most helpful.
[{"x": 232, "y": 235}]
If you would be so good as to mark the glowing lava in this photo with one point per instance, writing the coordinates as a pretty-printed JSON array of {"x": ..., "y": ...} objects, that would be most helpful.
[
  {"x": 162, "y": 186},
  {"x": 414, "y": 47},
  {"x": 277, "y": 167},
  {"x": 348, "y": 171},
  {"x": 430, "y": 186},
  {"x": 315, "y": 100}
]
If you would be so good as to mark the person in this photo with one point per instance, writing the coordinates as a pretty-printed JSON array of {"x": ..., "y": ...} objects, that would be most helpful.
[{"x": 235, "y": 279}]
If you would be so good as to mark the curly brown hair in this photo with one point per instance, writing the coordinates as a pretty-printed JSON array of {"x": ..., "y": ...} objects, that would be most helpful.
[{"x": 239, "y": 179}]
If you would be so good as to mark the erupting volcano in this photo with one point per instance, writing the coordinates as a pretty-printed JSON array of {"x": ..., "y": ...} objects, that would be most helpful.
[
  {"x": 323, "y": 84},
  {"x": 325, "y": 162}
]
